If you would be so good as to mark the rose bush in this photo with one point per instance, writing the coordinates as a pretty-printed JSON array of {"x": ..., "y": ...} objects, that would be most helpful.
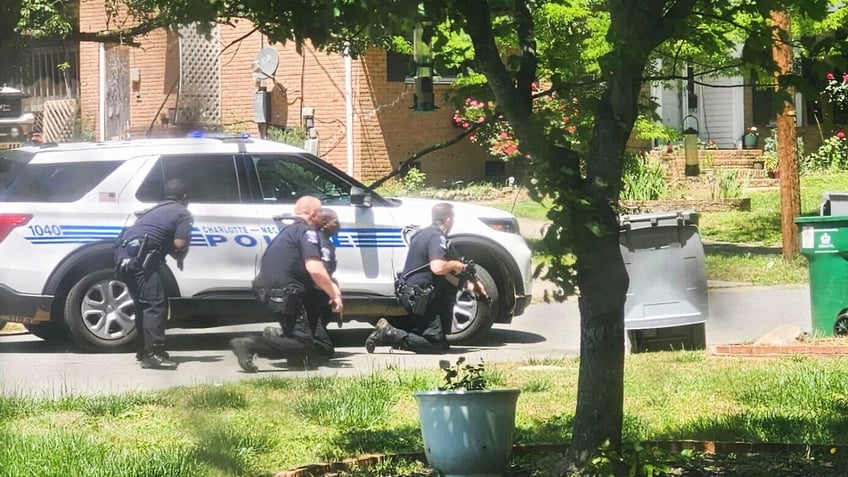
[
  {"x": 495, "y": 135},
  {"x": 836, "y": 90}
]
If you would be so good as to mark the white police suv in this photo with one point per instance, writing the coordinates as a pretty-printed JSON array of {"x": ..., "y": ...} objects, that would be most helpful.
[{"x": 63, "y": 205}]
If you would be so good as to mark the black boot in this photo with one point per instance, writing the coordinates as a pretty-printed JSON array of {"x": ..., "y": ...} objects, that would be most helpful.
[
  {"x": 245, "y": 351},
  {"x": 139, "y": 355},
  {"x": 157, "y": 358},
  {"x": 385, "y": 334}
]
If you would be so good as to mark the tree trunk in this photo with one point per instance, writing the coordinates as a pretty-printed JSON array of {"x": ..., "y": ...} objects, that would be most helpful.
[
  {"x": 787, "y": 133},
  {"x": 603, "y": 283}
]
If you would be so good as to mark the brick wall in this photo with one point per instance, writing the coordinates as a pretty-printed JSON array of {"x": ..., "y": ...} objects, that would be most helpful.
[{"x": 385, "y": 130}]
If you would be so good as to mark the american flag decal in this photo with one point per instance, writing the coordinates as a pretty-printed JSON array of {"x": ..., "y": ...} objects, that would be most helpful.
[{"x": 108, "y": 197}]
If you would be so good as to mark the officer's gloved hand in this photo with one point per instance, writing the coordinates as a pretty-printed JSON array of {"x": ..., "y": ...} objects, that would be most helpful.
[{"x": 123, "y": 267}]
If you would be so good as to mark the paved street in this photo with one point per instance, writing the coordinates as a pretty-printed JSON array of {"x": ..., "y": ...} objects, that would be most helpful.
[{"x": 29, "y": 366}]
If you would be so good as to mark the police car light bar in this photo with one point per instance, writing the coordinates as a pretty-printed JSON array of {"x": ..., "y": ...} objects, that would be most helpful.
[{"x": 224, "y": 137}]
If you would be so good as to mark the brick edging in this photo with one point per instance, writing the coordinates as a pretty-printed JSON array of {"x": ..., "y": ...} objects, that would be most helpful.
[
  {"x": 780, "y": 350},
  {"x": 708, "y": 447}
]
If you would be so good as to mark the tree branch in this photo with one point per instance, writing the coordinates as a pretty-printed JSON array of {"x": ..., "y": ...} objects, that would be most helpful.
[
  {"x": 124, "y": 36},
  {"x": 406, "y": 165}
]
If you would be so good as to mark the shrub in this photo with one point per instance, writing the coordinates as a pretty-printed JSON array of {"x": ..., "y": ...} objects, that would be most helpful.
[
  {"x": 643, "y": 179},
  {"x": 831, "y": 156}
]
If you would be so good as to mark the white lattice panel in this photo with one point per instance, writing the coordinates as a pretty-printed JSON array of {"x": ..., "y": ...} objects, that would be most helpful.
[
  {"x": 199, "y": 98},
  {"x": 58, "y": 120}
]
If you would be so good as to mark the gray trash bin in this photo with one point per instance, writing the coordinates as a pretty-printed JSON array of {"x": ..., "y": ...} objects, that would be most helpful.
[
  {"x": 834, "y": 203},
  {"x": 667, "y": 302}
]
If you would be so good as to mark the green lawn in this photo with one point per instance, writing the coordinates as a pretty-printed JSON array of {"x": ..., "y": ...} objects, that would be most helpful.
[
  {"x": 260, "y": 426},
  {"x": 762, "y": 262}
]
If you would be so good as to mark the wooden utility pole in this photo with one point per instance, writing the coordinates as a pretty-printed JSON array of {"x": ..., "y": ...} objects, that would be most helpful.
[{"x": 787, "y": 154}]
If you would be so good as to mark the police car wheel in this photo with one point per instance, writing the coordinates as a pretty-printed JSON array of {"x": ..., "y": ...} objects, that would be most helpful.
[
  {"x": 472, "y": 318},
  {"x": 99, "y": 313}
]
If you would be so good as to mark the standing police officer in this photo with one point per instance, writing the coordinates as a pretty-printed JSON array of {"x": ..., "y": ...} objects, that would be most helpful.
[
  {"x": 291, "y": 269},
  {"x": 141, "y": 250},
  {"x": 430, "y": 272}
]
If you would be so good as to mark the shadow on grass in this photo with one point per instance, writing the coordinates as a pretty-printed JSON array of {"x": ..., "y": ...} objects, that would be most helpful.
[{"x": 739, "y": 249}]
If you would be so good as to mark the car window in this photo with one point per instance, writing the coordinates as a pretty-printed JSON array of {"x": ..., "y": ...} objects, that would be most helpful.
[
  {"x": 213, "y": 178},
  {"x": 56, "y": 182},
  {"x": 283, "y": 179}
]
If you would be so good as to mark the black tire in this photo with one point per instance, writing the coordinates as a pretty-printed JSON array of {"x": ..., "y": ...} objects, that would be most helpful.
[
  {"x": 99, "y": 313},
  {"x": 50, "y": 331},
  {"x": 840, "y": 327},
  {"x": 473, "y": 318}
]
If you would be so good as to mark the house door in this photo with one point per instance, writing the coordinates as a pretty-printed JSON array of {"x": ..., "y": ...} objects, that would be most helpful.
[
  {"x": 721, "y": 115},
  {"x": 117, "y": 109}
]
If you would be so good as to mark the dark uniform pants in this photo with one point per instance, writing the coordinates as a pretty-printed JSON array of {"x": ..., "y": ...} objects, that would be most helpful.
[
  {"x": 304, "y": 333},
  {"x": 428, "y": 331},
  {"x": 151, "y": 306}
]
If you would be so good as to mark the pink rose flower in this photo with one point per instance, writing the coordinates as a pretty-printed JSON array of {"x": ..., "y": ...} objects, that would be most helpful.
[
  {"x": 840, "y": 135},
  {"x": 845, "y": 78},
  {"x": 829, "y": 76}
]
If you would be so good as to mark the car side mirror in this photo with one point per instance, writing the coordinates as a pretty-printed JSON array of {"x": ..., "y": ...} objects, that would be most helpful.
[{"x": 359, "y": 197}]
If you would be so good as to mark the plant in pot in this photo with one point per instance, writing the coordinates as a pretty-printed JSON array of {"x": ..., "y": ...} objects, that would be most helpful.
[
  {"x": 770, "y": 163},
  {"x": 467, "y": 428}
]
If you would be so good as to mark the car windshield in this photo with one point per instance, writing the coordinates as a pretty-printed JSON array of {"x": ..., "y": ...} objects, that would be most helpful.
[{"x": 57, "y": 182}]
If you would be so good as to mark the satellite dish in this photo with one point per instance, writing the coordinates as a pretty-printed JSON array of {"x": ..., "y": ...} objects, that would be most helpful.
[{"x": 265, "y": 64}]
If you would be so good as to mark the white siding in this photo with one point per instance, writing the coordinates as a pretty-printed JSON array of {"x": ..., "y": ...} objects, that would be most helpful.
[{"x": 720, "y": 111}]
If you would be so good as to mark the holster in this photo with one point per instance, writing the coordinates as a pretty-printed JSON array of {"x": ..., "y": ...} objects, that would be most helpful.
[
  {"x": 285, "y": 301},
  {"x": 413, "y": 298}
]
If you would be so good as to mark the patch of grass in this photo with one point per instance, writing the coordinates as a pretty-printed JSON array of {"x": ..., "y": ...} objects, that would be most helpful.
[
  {"x": 215, "y": 397},
  {"x": 761, "y": 225},
  {"x": 359, "y": 403},
  {"x": 282, "y": 423},
  {"x": 745, "y": 267},
  {"x": 523, "y": 208}
]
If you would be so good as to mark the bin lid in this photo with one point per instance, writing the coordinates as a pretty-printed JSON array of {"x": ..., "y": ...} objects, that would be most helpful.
[
  {"x": 825, "y": 220},
  {"x": 838, "y": 195},
  {"x": 656, "y": 219}
]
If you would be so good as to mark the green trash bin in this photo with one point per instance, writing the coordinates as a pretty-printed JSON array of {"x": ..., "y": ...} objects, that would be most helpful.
[{"x": 824, "y": 242}]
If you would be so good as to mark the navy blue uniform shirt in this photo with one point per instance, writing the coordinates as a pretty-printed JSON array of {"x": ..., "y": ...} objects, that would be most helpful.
[
  {"x": 283, "y": 263},
  {"x": 428, "y": 244},
  {"x": 163, "y": 224}
]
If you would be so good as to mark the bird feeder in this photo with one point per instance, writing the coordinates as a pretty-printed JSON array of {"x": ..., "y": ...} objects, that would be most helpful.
[
  {"x": 423, "y": 97},
  {"x": 690, "y": 147}
]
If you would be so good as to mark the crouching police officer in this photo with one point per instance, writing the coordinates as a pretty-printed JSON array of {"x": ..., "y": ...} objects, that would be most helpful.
[
  {"x": 162, "y": 230},
  {"x": 291, "y": 269},
  {"x": 319, "y": 310},
  {"x": 431, "y": 277}
]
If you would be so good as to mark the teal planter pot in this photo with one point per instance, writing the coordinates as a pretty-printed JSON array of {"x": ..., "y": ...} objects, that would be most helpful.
[
  {"x": 468, "y": 433},
  {"x": 750, "y": 141}
]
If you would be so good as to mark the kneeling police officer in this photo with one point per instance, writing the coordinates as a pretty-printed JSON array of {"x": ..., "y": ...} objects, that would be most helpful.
[
  {"x": 427, "y": 289},
  {"x": 162, "y": 230}
]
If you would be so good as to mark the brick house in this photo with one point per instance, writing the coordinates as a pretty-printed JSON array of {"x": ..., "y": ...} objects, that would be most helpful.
[{"x": 172, "y": 83}]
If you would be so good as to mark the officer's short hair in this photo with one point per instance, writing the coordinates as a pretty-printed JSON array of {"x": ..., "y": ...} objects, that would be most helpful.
[
  {"x": 325, "y": 216},
  {"x": 307, "y": 205},
  {"x": 177, "y": 189},
  {"x": 441, "y": 212}
]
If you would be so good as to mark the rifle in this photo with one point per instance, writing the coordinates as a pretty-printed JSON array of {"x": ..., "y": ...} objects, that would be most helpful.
[{"x": 470, "y": 275}]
